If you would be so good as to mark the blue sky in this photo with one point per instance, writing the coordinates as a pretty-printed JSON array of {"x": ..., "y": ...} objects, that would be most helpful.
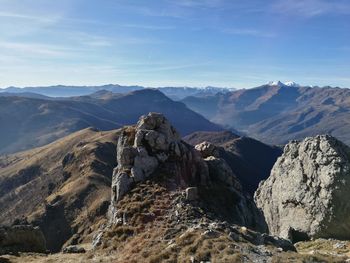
[{"x": 174, "y": 43}]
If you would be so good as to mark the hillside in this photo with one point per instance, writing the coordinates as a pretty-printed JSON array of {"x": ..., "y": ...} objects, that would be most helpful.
[
  {"x": 63, "y": 187},
  {"x": 167, "y": 201},
  {"x": 276, "y": 114},
  {"x": 30, "y": 122}
]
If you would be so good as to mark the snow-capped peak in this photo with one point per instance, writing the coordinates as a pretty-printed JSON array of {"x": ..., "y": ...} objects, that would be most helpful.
[
  {"x": 275, "y": 83},
  {"x": 291, "y": 84},
  {"x": 281, "y": 84}
]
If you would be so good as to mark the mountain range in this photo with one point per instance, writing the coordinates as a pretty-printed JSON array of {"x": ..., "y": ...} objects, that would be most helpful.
[
  {"x": 30, "y": 121},
  {"x": 175, "y": 93},
  {"x": 278, "y": 112},
  {"x": 273, "y": 113}
]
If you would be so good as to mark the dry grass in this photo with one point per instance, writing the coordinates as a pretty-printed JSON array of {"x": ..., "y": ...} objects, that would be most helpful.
[{"x": 73, "y": 180}]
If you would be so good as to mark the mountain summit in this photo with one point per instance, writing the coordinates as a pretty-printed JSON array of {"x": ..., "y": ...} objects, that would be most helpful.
[{"x": 283, "y": 84}]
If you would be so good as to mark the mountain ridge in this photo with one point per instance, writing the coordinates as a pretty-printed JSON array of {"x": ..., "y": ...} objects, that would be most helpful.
[
  {"x": 30, "y": 122},
  {"x": 175, "y": 93},
  {"x": 276, "y": 114}
]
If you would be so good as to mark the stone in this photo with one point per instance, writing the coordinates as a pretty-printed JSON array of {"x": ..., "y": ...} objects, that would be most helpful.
[
  {"x": 191, "y": 193},
  {"x": 220, "y": 171},
  {"x": 21, "y": 238},
  {"x": 97, "y": 239},
  {"x": 207, "y": 149},
  {"x": 121, "y": 185},
  {"x": 307, "y": 194},
  {"x": 157, "y": 121},
  {"x": 147, "y": 164},
  {"x": 73, "y": 249}
]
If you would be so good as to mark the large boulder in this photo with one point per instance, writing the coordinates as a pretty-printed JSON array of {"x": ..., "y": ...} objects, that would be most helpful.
[
  {"x": 21, "y": 238},
  {"x": 307, "y": 194}
]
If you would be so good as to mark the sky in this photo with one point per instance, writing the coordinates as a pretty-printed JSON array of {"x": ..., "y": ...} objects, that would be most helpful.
[{"x": 224, "y": 43}]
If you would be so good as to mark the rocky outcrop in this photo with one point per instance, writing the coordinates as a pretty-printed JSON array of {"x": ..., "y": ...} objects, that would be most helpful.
[
  {"x": 154, "y": 145},
  {"x": 241, "y": 206},
  {"x": 307, "y": 194},
  {"x": 219, "y": 170},
  {"x": 153, "y": 148},
  {"x": 21, "y": 238}
]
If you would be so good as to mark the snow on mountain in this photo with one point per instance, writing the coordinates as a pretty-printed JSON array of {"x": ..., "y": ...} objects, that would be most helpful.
[
  {"x": 283, "y": 84},
  {"x": 291, "y": 84}
]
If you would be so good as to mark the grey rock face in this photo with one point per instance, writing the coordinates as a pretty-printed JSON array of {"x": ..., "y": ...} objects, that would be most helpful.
[
  {"x": 21, "y": 238},
  {"x": 154, "y": 145},
  {"x": 220, "y": 171},
  {"x": 307, "y": 194}
]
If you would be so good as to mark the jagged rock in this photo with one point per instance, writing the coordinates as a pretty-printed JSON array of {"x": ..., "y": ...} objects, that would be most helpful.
[
  {"x": 191, "y": 193},
  {"x": 160, "y": 152},
  {"x": 207, "y": 149},
  {"x": 153, "y": 144},
  {"x": 307, "y": 194},
  {"x": 21, "y": 238}
]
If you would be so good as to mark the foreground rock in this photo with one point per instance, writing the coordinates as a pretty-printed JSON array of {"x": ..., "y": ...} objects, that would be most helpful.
[
  {"x": 21, "y": 238},
  {"x": 154, "y": 145},
  {"x": 307, "y": 195},
  {"x": 154, "y": 149}
]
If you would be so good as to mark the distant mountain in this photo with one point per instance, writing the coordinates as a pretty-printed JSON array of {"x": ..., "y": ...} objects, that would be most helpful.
[
  {"x": 24, "y": 95},
  {"x": 178, "y": 93},
  {"x": 69, "y": 91},
  {"x": 30, "y": 122},
  {"x": 278, "y": 112},
  {"x": 250, "y": 160},
  {"x": 175, "y": 93}
]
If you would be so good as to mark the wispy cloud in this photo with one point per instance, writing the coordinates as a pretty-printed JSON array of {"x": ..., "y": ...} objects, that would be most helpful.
[
  {"x": 310, "y": 8},
  {"x": 172, "y": 67},
  {"x": 201, "y": 3},
  {"x": 33, "y": 49},
  {"x": 148, "y": 27},
  {"x": 28, "y": 17},
  {"x": 172, "y": 11},
  {"x": 248, "y": 32}
]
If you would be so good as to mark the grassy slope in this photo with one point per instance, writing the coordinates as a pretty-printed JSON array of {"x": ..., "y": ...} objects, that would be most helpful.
[{"x": 62, "y": 186}]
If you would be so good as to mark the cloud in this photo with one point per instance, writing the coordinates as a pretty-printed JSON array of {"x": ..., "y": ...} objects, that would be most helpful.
[
  {"x": 148, "y": 27},
  {"x": 32, "y": 49},
  {"x": 27, "y": 17},
  {"x": 310, "y": 8},
  {"x": 248, "y": 32},
  {"x": 201, "y": 3}
]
